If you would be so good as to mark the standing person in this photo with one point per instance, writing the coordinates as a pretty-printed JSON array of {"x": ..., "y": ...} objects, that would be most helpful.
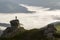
[{"x": 15, "y": 17}]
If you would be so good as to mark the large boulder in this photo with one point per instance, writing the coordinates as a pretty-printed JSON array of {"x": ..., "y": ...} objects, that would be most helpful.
[{"x": 13, "y": 30}]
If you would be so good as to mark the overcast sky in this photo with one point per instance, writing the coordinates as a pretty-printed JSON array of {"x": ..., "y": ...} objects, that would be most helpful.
[
  {"x": 12, "y": 6},
  {"x": 31, "y": 13}
]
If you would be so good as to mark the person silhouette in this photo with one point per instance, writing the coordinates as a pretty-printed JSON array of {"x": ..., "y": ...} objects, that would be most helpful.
[{"x": 16, "y": 17}]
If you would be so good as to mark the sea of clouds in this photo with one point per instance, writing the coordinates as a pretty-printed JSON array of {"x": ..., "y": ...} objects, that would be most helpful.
[{"x": 31, "y": 13}]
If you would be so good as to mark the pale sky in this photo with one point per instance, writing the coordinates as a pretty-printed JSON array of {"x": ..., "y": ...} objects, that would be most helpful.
[{"x": 31, "y": 13}]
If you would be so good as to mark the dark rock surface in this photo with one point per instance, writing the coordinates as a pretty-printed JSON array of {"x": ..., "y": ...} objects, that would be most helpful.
[{"x": 14, "y": 29}]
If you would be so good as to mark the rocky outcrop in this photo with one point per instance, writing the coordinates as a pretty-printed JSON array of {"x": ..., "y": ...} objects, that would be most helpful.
[{"x": 13, "y": 30}]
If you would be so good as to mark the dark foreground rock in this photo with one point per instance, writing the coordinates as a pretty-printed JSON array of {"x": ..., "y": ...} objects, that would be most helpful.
[{"x": 13, "y": 30}]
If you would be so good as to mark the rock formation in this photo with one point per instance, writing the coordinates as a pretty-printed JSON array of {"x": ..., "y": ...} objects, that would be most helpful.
[{"x": 13, "y": 30}]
